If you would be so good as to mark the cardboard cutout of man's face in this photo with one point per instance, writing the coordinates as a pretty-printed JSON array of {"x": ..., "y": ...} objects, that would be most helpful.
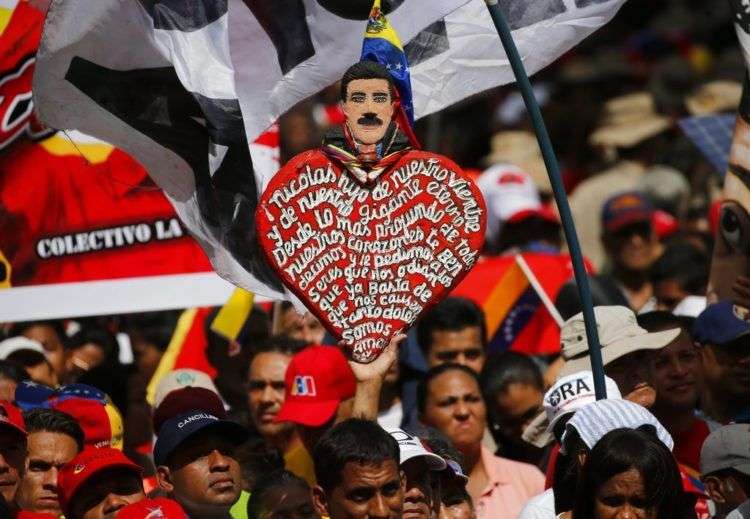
[{"x": 368, "y": 108}]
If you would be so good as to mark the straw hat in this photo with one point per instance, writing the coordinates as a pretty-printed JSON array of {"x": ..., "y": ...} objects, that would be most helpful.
[
  {"x": 521, "y": 149},
  {"x": 714, "y": 97},
  {"x": 629, "y": 120}
]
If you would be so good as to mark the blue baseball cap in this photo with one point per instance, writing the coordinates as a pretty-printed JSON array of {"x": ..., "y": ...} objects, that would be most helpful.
[
  {"x": 178, "y": 429},
  {"x": 720, "y": 323},
  {"x": 624, "y": 209}
]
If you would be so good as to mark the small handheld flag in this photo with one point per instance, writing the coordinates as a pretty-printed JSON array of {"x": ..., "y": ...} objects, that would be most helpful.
[{"x": 382, "y": 45}]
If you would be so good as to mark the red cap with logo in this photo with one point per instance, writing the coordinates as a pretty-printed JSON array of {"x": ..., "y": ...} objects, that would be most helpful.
[
  {"x": 11, "y": 417},
  {"x": 86, "y": 464},
  {"x": 317, "y": 380},
  {"x": 158, "y": 508}
]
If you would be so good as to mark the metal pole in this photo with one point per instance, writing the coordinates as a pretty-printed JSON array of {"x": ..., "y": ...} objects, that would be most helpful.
[{"x": 558, "y": 189}]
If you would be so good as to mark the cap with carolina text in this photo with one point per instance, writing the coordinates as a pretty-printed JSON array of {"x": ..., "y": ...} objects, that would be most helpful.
[
  {"x": 178, "y": 429},
  {"x": 411, "y": 447},
  {"x": 727, "y": 447}
]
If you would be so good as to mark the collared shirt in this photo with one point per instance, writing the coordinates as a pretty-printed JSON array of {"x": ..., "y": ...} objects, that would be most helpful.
[{"x": 510, "y": 484}]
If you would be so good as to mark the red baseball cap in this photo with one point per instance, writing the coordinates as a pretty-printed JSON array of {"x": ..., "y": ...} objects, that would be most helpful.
[
  {"x": 544, "y": 212},
  {"x": 11, "y": 417},
  {"x": 157, "y": 508},
  {"x": 317, "y": 380},
  {"x": 86, "y": 464}
]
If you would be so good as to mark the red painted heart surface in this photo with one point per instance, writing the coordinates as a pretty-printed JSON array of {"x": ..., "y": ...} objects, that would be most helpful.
[{"x": 367, "y": 260}]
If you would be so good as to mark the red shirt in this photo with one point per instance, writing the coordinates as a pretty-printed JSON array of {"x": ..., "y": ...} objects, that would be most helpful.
[{"x": 687, "y": 444}]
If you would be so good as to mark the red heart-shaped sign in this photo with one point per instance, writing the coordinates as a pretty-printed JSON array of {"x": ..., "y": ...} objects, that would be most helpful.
[{"x": 368, "y": 259}]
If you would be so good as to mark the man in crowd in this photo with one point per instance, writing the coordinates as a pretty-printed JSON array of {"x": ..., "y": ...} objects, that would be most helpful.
[
  {"x": 682, "y": 271},
  {"x": 320, "y": 389},
  {"x": 625, "y": 350},
  {"x": 12, "y": 451},
  {"x": 723, "y": 335},
  {"x": 421, "y": 469},
  {"x": 97, "y": 483},
  {"x": 50, "y": 335},
  {"x": 265, "y": 396},
  {"x": 358, "y": 478},
  {"x": 196, "y": 463},
  {"x": 725, "y": 470},
  {"x": 675, "y": 373},
  {"x": 632, "y": 246},
  {"x": 54, "y": 438},
  {"x": 306, "y": 328},
  {"x": 454, "y": 330},
  {"x": 513, "y": 388}
]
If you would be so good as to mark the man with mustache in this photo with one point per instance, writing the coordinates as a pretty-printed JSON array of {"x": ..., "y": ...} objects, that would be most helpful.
[{"x": 196, "y": 463}]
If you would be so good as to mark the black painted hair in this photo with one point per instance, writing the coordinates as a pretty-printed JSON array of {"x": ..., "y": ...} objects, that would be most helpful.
[
  {"x": 352, "y": 441},
  {"x": 52, "y": 420},
  {"x": 621, "y": 450},
  {"x": 451, "y": 314},
  {"x": 424, "y": 384},
  {"x": 365, "y": 70},
  {"x": 278, "y": 478}
]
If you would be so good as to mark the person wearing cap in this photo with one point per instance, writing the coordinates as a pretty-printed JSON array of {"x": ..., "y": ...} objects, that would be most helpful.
[
  {"x": 319, "y": 391},
  {"x": 196, "y": 465},
  {"x": 97, "y": 483},
  {"x": 156, "y": 508},
  {"x": 561, "y": 401},
  {"x": 455, "y": 501},
  {"x": 357, "y": 469},
  {"x": 50, "y": 335},
  {"x": 725, "y": 470},
  {"x": 450, "y": 400},
  {"x": 625, "y": 347},
  {"x": 54, "y": 438},
  {"x": 675, "y": 373},
  {"x": 722, "y": 333},
  {"x": 12, "y": 451},
  {"x": 420, "y": 467}
]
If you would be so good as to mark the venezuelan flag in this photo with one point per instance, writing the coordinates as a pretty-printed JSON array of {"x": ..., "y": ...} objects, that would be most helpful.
[{"x": 382, "y": 45}]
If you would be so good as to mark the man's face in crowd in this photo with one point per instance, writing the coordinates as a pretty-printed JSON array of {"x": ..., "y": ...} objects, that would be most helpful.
[
  {"x": 726, "y": 368},
  {"x": 288, "y": 502},
  {"x": 633, "y": 247},
  {"x": 204, "y": 475},
  {"x": 516, "y": 407},
  {"x": 12, "y": 457},
  {"x": 368, "y": 108},
  {"x": 455, "y": 407},
  {"x": 306, "y": 328},
  {"x": 456, "y": 503},
  {"x": 675, "y": 372},
  {"x": 52, "y": 343},
  {"x": 266, "y": 392},
  {"x": 365, "y": 491},
  {"x": 147, "y": 355},
  {"x": 630, "y": 372},
  {"x": 83, "y": 359},
  {"x": 103, "y": 495},
  {"x": 668, "y": 294},
  {"x": 461, "y": 347},
  {"x": 47, "y": 453},
  {"x": 418, "y": 495}
]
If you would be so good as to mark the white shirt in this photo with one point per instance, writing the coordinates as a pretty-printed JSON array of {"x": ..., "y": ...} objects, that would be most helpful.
[
  {"x": 540, "y": 507},
  {"x": 741, "y": 512}
]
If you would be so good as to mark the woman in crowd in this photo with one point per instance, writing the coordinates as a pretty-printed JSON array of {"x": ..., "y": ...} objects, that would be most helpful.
[
  {"x": 450, "y": 399},
  {"x": 629, "y": 474}
]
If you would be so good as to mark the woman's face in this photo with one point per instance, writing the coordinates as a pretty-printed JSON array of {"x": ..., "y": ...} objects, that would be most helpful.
[
  {"x": 623, "y": 496},
  {"x": 455, "y": 407}
]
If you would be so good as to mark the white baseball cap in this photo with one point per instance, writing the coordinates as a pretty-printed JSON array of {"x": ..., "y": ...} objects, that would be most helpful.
[
  {"x": 567, "y": 395},
  {"x": 14, "y": 344},
  {"x": 596, "y": 419},
  {"x": 619, "y": 335},
  {"x": 412, "y": 447},
  {"x": 507, "y": 190},
  {"x": 181, "y": 378}
]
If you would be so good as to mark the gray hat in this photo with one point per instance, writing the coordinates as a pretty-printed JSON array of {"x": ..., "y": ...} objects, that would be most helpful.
[{"x": 727, "y": 448}]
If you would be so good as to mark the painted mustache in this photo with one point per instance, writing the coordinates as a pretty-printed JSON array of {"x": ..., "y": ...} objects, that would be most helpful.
[{"x": 370, "y": 120}]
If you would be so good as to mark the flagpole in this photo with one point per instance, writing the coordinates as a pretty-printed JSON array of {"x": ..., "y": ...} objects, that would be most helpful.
[{"x": 558, "y": 189}]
